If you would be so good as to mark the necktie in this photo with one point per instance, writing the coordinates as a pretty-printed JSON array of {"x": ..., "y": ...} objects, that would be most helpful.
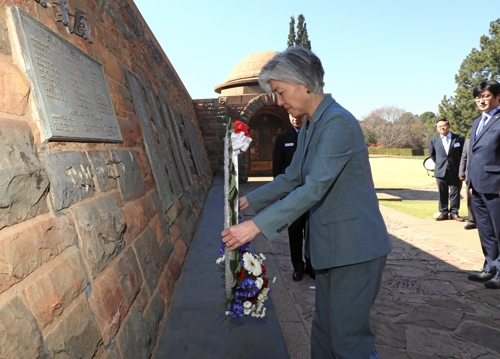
[{"x": 481, "y": 125}]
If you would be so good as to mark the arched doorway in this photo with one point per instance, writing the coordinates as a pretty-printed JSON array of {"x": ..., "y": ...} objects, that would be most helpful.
[{"x": 264, "y": 126}]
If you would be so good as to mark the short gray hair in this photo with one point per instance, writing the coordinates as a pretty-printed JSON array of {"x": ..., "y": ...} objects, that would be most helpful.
[{"x": 295, "y": 65}]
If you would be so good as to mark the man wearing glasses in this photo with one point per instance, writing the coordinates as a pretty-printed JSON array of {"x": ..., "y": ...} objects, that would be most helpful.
[
  {"x": 445, "y": 150},
  {"x": 483, "y": 177}
]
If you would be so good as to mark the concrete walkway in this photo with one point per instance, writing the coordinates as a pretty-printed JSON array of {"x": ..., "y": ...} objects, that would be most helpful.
[{"x": 426, "y": 308}]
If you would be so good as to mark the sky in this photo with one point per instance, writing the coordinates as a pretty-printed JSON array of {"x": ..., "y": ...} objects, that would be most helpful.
[{"x": 375, "y": 53}]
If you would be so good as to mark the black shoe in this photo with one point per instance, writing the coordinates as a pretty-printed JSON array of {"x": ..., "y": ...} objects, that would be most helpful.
[
  {"x": 470, "y": 225},
  {"x": 297, "y": 276},
  {"x": 442, "y": 217},
  {"x": 493, "y": 283},
  {"x": 481, "y": 276}
]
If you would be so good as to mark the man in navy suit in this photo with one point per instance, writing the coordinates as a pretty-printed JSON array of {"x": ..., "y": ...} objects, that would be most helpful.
[
  {"x": 284, "y": 149},
  {"x": 483, "y": 177},
  {"x": 445, "y": 150}
]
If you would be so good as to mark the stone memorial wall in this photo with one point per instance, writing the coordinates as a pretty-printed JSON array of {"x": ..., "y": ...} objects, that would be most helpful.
[{"x": 103, "y": 176}]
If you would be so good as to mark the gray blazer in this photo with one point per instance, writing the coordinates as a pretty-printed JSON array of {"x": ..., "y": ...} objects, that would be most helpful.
[
  {"x": 462, "y": 168},
  {"x": 330, "y": 177}
]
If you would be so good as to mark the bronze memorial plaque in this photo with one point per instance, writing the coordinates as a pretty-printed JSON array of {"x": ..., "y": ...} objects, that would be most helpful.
[
  {"x": 153, "y": 149},
  {"x": 69, "y": 87}
]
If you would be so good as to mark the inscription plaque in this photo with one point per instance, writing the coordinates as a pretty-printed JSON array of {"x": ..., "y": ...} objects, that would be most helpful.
[
  {"x": 152, "y": 147},
  {"x": 167, "y": 159},
  {"x": 177, "y": 148},
  {"x": 194, "y": 145},
  {"x": 69, "y": 87}
]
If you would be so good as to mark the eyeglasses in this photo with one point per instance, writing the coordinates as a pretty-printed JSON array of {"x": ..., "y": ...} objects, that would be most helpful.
[{"x": 484, "y": 97}]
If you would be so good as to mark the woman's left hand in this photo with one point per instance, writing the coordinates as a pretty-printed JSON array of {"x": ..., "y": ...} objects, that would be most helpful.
[{"x": 236, "y": 236}]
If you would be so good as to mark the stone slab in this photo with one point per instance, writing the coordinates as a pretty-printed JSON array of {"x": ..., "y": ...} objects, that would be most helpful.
[
  {"x": 165, "y": 145},
  {"x": 24, "y": 182},
  {"x": 69, "y": 87},
  {"x": 70, "y": 177},
  {"x": 152, "y": 148},
  {"x": 193, "y": 327},
  {"x": 176, "y": 143}
]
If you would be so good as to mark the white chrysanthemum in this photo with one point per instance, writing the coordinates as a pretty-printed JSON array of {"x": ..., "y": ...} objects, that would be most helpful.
[
  {"x": 220, "y": 260},
  {"x": 247, "y": 307},
  {"x": 263, "y": 313},
  {"x": 262, "y": 257},
  {"x": 251, "y": 264},
  {"x": 260, "y": 297},
  {"x": 259, "y": 282},
  {"x": 247, "y": 304}
]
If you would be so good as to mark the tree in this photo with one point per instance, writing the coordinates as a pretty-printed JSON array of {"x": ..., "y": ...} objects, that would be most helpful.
[
  {"x": 301, "y": 38},
  {"x": 392, "y": 126},
  {"x": 479, "y": 65},
  {"x": 429, "y": 120},
  {"x": 291, "y": 33}
]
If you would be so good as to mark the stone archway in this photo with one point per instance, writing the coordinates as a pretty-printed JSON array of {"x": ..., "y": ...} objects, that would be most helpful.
[{"x": 266, "y": 119}]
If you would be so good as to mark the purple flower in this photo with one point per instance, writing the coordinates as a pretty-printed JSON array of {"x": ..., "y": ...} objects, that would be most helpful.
[{"x": 222, "y": 248}]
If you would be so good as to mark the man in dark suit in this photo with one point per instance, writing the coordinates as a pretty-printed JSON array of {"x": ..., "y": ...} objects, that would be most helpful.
[
  {"x": 445, "y": 150},
  {"x": 483, "y": 177},
  {"x": 462, "y": 174},
  {"x": 284, "y": 149}
]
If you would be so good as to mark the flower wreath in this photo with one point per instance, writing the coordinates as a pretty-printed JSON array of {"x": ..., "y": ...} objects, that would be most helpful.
[{"x": 247, "y": 287}]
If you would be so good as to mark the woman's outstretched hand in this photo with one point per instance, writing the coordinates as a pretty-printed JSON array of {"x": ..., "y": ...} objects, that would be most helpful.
[{"x": 236, "y": 236}]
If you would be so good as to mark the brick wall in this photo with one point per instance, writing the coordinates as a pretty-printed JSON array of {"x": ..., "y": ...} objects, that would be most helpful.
[{"x": 89, "y": 255}]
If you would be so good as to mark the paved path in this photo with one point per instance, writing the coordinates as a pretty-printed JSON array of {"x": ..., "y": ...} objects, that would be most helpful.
[{"x": 426, "y": 307}]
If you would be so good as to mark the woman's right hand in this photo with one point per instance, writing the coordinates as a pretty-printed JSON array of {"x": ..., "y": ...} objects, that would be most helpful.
[{"x": 243, "y": 203}]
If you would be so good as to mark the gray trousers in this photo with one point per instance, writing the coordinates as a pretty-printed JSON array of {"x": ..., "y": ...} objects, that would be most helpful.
[{"x": 344, "y": 296}]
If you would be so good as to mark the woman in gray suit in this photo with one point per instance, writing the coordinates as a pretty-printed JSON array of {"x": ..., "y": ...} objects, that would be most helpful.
[{"x": 330, "y": 178}]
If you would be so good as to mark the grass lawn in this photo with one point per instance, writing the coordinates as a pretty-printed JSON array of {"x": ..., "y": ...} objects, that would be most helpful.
[
  {"x": 400, "y": 172},
  {"x": 407, "y": 173},
  {"x": 421, "y": 209}
]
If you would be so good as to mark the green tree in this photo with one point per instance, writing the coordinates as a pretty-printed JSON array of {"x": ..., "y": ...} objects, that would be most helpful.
[
  {"x": 304, "y": 42},
  {"x": 291, "y": 33},
  {"x": 299, "y": 37},
  {"x": 429, "y": 120},
  {"x": 480, "y": 64}
]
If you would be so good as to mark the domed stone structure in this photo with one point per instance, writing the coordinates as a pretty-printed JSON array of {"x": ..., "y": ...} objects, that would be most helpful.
[
  {"x": 243, "y": 79},
  {"x": 243, "y": 99}
]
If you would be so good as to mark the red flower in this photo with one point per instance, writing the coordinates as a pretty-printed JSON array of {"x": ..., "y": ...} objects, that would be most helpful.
[
  {"x": 241, "y": 127},
  {"x": 263, "y": 270},
  {"x": 242, "y": 275},
  {"x": 266, "y": 282}
]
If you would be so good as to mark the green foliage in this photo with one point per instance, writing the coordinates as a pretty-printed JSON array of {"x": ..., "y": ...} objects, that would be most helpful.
[
  {"x": 429, "y": 120},
  {"x": 291, "y": 33},
  {"x": 299, "y": 38},
  {"x": 370, "y": 137},
  {"x": 480, "y": 64}
]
